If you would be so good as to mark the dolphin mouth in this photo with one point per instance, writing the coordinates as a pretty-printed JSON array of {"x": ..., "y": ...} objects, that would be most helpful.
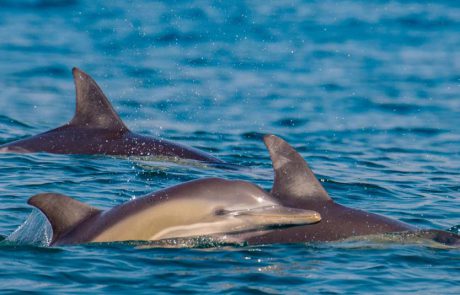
[
  {"x": 242, "y": 222},
  {"x": 278, "y": 216}
]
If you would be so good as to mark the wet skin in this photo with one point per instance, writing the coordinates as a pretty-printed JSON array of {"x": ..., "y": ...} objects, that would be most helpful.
[{"x": 97, "y": 129}]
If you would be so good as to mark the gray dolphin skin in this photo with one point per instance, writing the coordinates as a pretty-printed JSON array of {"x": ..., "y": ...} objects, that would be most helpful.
[
  {"x": 296, "y": 186},
  {"x": 97, "y": 129},
  {"x": 208, "y": 207}
]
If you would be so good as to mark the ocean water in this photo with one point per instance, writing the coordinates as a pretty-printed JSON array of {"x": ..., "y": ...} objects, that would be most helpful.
[{"x": 367, "y": 91}]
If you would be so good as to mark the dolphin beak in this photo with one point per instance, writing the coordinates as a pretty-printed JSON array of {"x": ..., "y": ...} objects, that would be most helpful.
[{"x": 278, "y": 216}]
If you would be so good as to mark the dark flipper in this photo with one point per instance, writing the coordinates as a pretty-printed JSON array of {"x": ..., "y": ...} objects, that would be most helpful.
[
  {"x": 93, "y": 108},
  {"x": 293, "y": 177},
  {"x": 63, "y": 213}
]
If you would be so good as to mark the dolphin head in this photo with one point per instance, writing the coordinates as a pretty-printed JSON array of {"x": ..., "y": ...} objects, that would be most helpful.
[{"x": 229, "y": 207}]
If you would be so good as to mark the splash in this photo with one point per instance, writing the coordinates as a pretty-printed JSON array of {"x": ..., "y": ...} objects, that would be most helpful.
[
  {"x": 198, "y": 242},
  {"x": 428, "y": 238},
  {"x": 455, "y": 229},
  {"x": 36, "y": 231}
]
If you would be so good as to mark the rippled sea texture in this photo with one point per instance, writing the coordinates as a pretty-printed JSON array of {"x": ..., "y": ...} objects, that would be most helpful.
[{"x": 368, "y": 91}]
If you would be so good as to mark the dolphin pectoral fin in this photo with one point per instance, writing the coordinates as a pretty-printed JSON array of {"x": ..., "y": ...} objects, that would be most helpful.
[
  {"x": 277, "y": 216},
  {"x": 293, "y": 177},
  {"x": 93, "y": 108},
  {"x": 63, "y": 212}
]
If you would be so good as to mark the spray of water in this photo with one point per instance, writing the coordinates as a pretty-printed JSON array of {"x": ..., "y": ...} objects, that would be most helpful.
[{"x": 35, "y": 230}]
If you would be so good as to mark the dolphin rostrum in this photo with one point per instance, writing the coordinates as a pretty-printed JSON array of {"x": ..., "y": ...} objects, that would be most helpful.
[
  {"x": 296, "y": 186},
  {"x": 209, "y": 207},
  {"x": 97, "y": 129}
]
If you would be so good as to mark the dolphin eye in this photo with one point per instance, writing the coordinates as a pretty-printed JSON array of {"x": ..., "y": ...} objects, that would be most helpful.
[{"x": 220, "y": 212}]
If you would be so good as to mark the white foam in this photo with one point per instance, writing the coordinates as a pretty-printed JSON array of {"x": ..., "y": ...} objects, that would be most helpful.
[{"x": 35, "y": 230}]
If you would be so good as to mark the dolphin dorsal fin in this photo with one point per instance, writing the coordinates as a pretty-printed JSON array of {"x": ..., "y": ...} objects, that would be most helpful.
[
  {"x": 62, "y": 212},
  {"x": 293, "y": 177},
  {"x": 93, "y": 108}
]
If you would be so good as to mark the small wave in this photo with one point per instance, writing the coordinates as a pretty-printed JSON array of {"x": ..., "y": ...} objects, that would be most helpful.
[
  {"x": 253, "y": 135},
  {"x": 423, "y": 131},
  {"x": 52, "y": 70},
  {"x": 175, "y": 36},
  {"x": 37, "y": 3},
  {"x": 34, "y": 231},
  {"x": 291, "y": 122},
  {"x": 7, "y": 120}
]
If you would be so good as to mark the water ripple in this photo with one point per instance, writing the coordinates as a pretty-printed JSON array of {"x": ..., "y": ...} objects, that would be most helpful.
[{"x": 366, "y": 91}]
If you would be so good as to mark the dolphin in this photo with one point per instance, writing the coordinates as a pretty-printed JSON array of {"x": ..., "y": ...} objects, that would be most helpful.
[
  {"x": 295, "y": 185},
  {"x": 205, "y": 207},
  {"x": 97, "y": 129}
]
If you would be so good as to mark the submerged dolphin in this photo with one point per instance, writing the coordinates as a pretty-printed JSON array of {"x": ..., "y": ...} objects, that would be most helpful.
[
  {"x": 97, "y": 129},
  {"x": 296, "y": 186},
  {"x": 202, "y": 207}
]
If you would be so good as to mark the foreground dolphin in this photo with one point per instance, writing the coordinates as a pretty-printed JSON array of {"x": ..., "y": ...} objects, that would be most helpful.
[
  {"x": 97, "y": 129},
  {"x": 296, "y": 186},
  {"x": 202, "y": 207}
]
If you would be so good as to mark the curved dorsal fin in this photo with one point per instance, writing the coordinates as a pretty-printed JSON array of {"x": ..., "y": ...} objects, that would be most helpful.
[
  {"x": 293, "y": 177},
  {"x": 93, "y": 108},
  {"x": 63, "y": 213}
]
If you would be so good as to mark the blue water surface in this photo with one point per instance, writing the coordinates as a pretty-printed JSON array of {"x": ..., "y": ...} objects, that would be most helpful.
[{"x": 367, "y": 91}]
